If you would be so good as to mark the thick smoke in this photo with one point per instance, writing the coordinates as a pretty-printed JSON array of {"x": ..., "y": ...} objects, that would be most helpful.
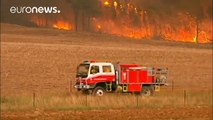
[{"x": 180, "y": 20}]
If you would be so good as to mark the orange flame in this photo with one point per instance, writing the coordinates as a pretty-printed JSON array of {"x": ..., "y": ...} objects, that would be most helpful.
[
  {"x": 59, "y": 24},
  {"x": 62, "y": 25},
  {"x": 122, "y": 24},
  {"x": 181, "y": 34},
  {"x": 126, "y": 19},
  {"x": 106, "y": 3},
  {"x": 115, "y": 4}
]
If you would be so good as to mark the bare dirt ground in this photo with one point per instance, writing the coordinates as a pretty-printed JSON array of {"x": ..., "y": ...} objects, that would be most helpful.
[
  {"x": 45, "y": 60},
  {"x": 118, "y": 114}
]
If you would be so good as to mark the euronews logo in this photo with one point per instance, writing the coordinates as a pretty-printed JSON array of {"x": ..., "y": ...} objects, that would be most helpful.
[{"x": 28, "y": 10}]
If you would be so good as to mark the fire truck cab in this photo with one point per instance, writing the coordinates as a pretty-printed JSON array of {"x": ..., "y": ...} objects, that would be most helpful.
[{"x": 101, "y": 77}]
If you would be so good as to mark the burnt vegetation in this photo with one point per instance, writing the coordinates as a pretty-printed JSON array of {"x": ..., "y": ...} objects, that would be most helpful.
[{"x": 150, "y": 19}]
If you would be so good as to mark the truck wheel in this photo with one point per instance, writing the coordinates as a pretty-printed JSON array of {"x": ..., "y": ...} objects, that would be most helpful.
[
  {"x": 147, "y": 90},
  {"x": 98, "y": 91}
]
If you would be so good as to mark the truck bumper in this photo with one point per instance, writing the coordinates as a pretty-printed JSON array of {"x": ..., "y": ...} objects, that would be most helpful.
[{"x": 83, "y": 86}]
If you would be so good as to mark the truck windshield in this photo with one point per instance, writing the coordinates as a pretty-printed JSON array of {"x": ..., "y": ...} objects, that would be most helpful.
[{"x": 82, "y": 70}]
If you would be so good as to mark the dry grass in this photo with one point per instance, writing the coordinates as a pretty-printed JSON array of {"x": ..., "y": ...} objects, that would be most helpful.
[
  {"x": 111, "y": 100},
  {"x": 50, "y": 68},
  {"x": 44, "y": 61}
]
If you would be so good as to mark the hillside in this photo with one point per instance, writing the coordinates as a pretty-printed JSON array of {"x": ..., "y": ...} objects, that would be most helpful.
[
  {"x": 46, "y": 59},
  {"x": 41, "y": 62}
]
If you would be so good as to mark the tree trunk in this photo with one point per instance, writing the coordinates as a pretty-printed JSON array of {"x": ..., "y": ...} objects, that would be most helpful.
[
  {"x": 76, "y": 21},
  {"x": 88, "y": 23},
  {"x": 197, "y": 31},
  {"x": 82, "y": 20}
]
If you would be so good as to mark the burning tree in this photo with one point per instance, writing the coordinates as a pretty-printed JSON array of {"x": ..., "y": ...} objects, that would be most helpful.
[
  {"x": 179, "y": 12},
  {"x": 177, "y": 20},
  {"x": 83, "y": 11},
  {"x": 198, "y": 10}
]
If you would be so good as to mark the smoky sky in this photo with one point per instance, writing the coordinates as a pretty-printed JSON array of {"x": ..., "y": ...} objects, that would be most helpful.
[{"x": 198, "y": 8}]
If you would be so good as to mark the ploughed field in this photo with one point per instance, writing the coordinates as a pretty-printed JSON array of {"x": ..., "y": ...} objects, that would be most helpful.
[
  {"x": 118, "y": 114},
  {"x": 43, "y": 61}
]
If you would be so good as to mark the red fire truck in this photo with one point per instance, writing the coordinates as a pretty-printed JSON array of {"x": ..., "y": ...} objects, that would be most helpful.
[{"x": 98, "y": 78}]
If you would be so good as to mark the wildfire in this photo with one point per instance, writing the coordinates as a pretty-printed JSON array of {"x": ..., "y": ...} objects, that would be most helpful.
[
  {"x": 59, "y": 24},
  {"x": 182, "y": 35},
  {"x": 99, "y": 26},
  {"x": 62, "y": 25},
  {"x": 106, "y": 3},
  {"x": 142, "y": 26},
  {"x": 202, "y": 38},
  {"x": 115, "y": 4},
  {"x": 126, "y": 19},
  {"x": 195, "y": 39}
]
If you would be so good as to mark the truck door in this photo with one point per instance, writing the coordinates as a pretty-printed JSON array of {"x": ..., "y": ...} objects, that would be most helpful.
[
  {"x": 94, "y": 73},
  {"x": 94, "y": 69}
]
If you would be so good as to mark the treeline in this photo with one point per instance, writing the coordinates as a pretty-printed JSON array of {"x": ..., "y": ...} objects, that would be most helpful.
[
  {"x": 197, "y": 10},
  {"x": 85, "y": 9},
  {"x": 140, "y": 12}
]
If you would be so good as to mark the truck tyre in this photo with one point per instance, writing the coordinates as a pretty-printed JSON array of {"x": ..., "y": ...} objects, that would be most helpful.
[
  {"x": 98, "y": 91},
  {"x": 147, "y": 90}
]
